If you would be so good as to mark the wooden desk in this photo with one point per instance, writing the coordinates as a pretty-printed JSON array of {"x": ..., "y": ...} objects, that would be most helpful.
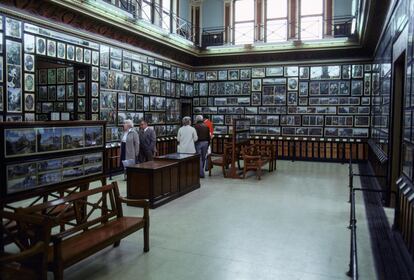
[
  {"x": 164, "y": 179},
  {"x": 156, "y": 181},
  {"x": 188, "y": 170}
]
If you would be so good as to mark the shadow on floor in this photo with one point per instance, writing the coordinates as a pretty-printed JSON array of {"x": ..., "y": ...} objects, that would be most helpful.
[{"x": 392, "y": 260}]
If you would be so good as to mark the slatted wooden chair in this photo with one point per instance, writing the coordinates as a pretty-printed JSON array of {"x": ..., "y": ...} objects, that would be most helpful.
[
  {"x": 267, "y": 152},
  {"x": 222, "y": 160},
  {"x": 254, "y": 160},
  {"x": 25, "y": 256}
]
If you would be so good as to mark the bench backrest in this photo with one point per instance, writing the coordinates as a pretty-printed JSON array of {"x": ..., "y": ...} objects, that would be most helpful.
[{"x": 80, "y": 211}]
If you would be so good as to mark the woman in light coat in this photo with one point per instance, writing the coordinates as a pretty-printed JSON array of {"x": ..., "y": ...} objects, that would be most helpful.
[
  {"x": 130, "y": 142},
  {"x": 186, "y": 137}
]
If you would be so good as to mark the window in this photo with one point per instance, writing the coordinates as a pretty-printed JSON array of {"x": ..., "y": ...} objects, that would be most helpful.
[
  {"x": 280, "y": 20},
  {"x": 311, "y": 19},
  {"x": 166, "y": 14},
  {"x": 146, "y": 10},
  {"x": 276, "y": 20},
  {"x": 244, "y": 21}
]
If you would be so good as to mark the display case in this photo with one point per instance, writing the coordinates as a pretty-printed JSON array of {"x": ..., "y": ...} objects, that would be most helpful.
[{"x": 39, "y": 157}]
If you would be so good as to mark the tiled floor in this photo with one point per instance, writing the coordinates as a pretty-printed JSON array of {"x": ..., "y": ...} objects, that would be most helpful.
[{"x": 290, "y": 225}]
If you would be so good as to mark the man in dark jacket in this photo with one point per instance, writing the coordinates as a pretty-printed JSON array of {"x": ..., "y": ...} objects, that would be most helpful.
[
  {"x": 203, "y": 133},
  {"x": 147, "y": 141}
]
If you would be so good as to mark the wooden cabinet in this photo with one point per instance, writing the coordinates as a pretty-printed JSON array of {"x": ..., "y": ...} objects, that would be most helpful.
[
  {"x": 188, "y": 169},
  {"x": 164, "y": 179},
  {"x": 156, "y": 181}
]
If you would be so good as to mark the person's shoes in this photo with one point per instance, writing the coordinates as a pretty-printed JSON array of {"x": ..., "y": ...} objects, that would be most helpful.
[{"x": 202, "y": 176}]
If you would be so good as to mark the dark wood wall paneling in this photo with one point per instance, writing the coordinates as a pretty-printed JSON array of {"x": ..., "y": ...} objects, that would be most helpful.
[{"x": 380, "y": 151}]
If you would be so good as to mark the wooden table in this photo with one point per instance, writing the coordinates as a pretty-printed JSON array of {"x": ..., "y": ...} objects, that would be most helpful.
[
  {"x": 164, "y": 179},
  {"x": 188, "y": 170},
  {"x": 156, "y": 181}
]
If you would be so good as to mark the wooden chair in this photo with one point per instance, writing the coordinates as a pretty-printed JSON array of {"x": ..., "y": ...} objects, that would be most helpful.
[
  {"x": 267, "y": 152},
  {"x": 31, "y": 235},
  {"x": 222, "y": 160},
  {"x": 253, "y": 160}
]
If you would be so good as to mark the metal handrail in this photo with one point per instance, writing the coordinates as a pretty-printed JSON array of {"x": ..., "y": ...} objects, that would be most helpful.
[
  {"x": 353, "y": 254},
  {"x": 325, "y": 33},
  {"x": 177, "y": 25}
]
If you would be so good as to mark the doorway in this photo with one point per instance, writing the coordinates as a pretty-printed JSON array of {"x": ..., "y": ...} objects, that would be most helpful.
[
  {"x": 186, "y": 109},
  {"x": 397, "y": 105}
]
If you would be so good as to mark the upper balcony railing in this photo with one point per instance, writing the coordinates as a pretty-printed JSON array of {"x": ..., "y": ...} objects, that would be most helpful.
[
  {"x": 280, "y": 31},
  {"x": 155, "y": 14},
  {"x": 273, "y": 31}
]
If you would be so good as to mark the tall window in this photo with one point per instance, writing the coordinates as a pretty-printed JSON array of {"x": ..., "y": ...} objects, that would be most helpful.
[
  {"x": 146, "y": 10},
  {"x": 244, "y": 11},
  {"x": 276, "y": 20},
  {"x": 311, "y": 19},
  {"x": 166, "y": 14}
]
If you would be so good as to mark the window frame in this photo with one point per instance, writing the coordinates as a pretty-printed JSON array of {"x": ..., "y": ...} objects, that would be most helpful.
[
  {"x": 149, "y": 3},
  {"x": 166, "y": 15},
  {"x": 322, "y": 15},
  {"x": 234, "y": 22},
  {"x": 266, "y": 21}
]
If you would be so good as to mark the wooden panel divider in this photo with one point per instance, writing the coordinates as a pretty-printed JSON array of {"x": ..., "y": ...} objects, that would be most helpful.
[{"x": 320, "y": 149}]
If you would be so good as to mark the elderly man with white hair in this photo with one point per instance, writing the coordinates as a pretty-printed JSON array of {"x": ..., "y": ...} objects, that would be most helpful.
[
  {"x": 186, "y": 137},
  {"x": 129, "y": 142},
  {"x": 203, "y": 135}
]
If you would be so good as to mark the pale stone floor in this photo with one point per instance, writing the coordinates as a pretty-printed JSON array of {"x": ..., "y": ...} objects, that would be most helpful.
[{"x": 290, "y": 225}]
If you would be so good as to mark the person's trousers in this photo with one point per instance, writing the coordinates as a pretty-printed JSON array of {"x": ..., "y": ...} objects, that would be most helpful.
[
  {"x": 201, "y": 149},
  {"x": 145, "y": 156},
  {"x": 123, "y": 144}
]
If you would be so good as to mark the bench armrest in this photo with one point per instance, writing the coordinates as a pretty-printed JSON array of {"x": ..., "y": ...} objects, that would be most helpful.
[
  {"x": 38, "y": 248},
  {"x": 143, "y": 203}
]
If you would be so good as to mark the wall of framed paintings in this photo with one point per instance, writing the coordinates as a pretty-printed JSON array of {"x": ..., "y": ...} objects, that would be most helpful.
[
  {"x": 381, "y": 127},
  {"x": 56, "y": 93},
  {"x": 288, "y": 100},
  {"x": 120, "y": 84},
  {"x": 40, "y": 156}
]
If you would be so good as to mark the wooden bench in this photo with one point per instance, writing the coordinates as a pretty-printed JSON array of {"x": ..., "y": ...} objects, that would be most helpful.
[
  {"x": 96, "y": 226},
  {"x": 256, "y": 156}
]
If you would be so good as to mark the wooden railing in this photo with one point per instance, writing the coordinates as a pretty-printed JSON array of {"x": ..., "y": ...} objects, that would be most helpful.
[
  {"x": 319, "y": 149},
  {"x": 404, "y": 221}
]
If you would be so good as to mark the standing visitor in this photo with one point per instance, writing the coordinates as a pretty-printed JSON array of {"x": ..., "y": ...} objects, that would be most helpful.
[
  {"x": 130, "y": 142},
  {"x": 148, "y": 140},
  {"x": 210, "y": 126},
  {"x": 129, "y": 145},
  {"x": 186, "y": 137},
  {"x": 203, "y": 134}
]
